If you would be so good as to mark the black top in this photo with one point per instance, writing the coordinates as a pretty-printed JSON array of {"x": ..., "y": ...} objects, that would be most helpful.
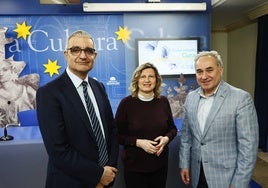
[{"x": 137, "y": 119}]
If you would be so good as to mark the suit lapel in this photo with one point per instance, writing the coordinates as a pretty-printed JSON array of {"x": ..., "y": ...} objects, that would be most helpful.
[
  {"x": 218, "y": 101},
  {"x": 194, "y": 102},
  {"x": 76, "y": 103}
]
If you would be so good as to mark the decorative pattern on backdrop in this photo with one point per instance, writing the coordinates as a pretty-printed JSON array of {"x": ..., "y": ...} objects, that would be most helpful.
[
  {"x": 32, "y": 46},
  {"x": 38, "y": 43}
]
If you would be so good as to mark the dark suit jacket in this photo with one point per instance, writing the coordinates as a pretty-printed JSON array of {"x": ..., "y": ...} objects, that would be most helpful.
[{"x": 68, "y": 136}]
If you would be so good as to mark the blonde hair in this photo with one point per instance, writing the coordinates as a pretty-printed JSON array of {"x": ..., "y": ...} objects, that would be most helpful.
[{"x": 134, "y": 89}]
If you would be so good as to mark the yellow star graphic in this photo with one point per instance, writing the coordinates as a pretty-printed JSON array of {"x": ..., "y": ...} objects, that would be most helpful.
[
  {"x": 23, "y": 30},
  {"x": 123, "y": 34},
  {"x": 52, "y": 67}
]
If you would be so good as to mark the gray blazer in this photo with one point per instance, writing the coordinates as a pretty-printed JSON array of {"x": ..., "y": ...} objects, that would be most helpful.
[{"x": 229, "y": 144}]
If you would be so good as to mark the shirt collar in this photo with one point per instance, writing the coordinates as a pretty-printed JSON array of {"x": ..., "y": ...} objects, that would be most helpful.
[
  {"x": 201, "y": 92},
  {"x": 75, "y": 79}
]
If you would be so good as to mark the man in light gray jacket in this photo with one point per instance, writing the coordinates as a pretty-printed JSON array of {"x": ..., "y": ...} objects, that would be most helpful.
[{"x": 219, "y": 138}]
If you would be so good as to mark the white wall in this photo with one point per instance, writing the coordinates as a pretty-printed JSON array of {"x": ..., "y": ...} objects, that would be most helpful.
[
  {"x": 219, "y": 43},
  {"x": 238, "y": 49}
]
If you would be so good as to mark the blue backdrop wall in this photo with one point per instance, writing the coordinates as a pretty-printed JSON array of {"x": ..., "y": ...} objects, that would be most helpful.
[{"x": 36, "y": 34}]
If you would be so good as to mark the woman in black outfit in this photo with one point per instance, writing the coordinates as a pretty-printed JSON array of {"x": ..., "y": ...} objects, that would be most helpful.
[{"x": 145, "y": 127}]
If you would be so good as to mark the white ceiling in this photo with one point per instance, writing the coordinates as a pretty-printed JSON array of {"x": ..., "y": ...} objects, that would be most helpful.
[{"x": 226, "y": 14}]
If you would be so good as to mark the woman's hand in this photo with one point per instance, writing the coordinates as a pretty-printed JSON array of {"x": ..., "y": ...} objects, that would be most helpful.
[
  {"x": 148, "y": 146},
  {"x": 162, "y": 141}
]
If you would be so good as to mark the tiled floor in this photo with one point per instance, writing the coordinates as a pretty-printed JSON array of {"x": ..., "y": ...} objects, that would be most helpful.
[{"x": 260, "y": 174}]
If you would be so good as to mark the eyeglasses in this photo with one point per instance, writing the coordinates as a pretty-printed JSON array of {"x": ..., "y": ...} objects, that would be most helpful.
[{"x": 76, "y": 51}]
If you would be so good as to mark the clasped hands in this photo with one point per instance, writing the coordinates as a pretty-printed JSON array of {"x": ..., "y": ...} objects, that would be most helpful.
[{"x": 155, "y": 146}]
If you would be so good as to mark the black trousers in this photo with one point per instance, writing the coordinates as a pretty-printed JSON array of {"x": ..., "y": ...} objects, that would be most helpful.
[
  {"x": 155, "y": 179},
  {"x": 202, "y": 182}
]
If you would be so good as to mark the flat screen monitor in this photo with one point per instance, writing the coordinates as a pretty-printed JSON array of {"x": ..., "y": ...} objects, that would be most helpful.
[{"x": 170, "y": 56}]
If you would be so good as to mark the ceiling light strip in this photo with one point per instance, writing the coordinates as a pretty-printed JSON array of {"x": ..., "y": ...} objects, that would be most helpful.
[{"x": 143, "y": 7}]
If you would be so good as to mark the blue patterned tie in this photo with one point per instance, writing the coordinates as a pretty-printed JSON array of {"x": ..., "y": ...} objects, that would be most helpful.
[{"x": 103, "y": 156}]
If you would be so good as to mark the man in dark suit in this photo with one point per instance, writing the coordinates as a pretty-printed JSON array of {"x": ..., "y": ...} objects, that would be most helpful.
[{"x": 66, "y": 123}]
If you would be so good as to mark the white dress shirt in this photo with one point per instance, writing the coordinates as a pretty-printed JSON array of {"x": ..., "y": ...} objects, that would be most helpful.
[
  {"x": 204, "y": 107},
  {"x": 77, "y": 83}
]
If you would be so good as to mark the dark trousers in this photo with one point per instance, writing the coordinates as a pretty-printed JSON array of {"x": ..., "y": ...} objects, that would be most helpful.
[
  {"x": 155, "y": 179},
  {"x": 202, "y": 182}
]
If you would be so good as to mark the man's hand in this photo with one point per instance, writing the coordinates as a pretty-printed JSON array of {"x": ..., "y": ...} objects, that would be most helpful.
[
  {"x": 185, "y": 176},
  {"x": 107, "y": 176},
  {"x": 99, "y": 185}
]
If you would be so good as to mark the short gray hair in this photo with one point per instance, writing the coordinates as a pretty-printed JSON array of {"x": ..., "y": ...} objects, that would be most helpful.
[
  {"x": 80, "y": 33},
  {"x": 212, "y": 53}
]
